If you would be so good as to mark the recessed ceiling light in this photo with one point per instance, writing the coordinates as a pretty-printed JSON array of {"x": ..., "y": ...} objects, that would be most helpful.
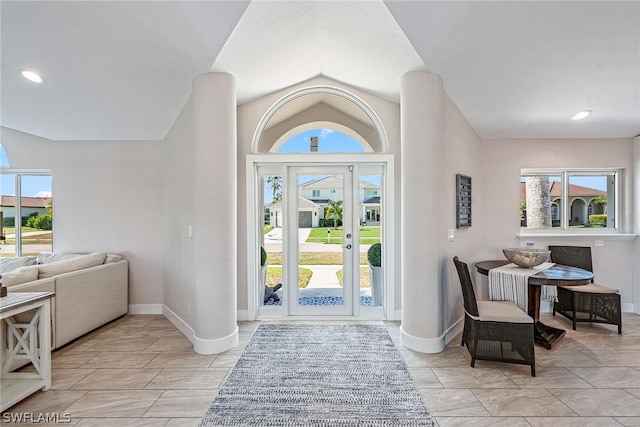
[
  {"x": 581, "y": 115},
  {"x": 32, "y": 76}
]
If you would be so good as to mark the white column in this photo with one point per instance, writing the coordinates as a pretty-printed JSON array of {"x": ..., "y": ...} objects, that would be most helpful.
[
  {"x": 635, "y": 203},
  {"x": 215, "y": 219},
  {"x": 422, "y": 111}
]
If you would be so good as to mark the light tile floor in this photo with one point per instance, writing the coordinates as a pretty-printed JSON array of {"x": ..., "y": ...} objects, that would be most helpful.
[{"x": 141, "y": 371}]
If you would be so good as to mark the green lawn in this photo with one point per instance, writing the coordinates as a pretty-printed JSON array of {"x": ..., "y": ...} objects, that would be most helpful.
[
  {"x": 368, "y": 235},
  {"x": 274, "y": 276},
  {"x": 314, "y": 258}
]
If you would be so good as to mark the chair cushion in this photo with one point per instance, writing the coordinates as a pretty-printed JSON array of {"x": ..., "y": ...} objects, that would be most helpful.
[
  {"x": 501, "y": 311},
  {"x": 592, "y": 288}
]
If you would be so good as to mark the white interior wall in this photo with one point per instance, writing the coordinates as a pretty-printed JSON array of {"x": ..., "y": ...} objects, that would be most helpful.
[
  {"x": 501, "y": 162},
  {"x": 107, "y": 197},
  {"x": 462, "y": 147},
  {"x": 178, "y": 207}
]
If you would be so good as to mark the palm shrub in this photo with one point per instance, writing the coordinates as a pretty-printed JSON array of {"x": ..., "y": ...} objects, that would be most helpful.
[
  {"x": 374, "y": 255},
  {"x": 334, "y": 210}
]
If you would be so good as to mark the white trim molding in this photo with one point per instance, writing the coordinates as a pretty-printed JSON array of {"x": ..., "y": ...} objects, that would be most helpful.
[
  {"x": 430, "y": 345},
  {"x": 146, "y": 309},
  {"x": 217, "y": 345},
  {"x": 327, "y": 90},
  {"x": 176, "y": 321},
  {"x": 201, "y": 346}
]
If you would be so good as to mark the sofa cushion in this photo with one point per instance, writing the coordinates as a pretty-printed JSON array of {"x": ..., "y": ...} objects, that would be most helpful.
[
  {"x": 20, "y": 275},
  {"x": 66, "y": 266},
  {"x": 48, "y": 257},
  {"x": 112, "y": 258},
  {"x": 10, "y": 264}
]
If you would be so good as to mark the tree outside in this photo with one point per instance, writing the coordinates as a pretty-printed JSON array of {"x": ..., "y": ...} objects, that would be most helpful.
[
  {"x": 334, "y": 210},
  {"x": 538, "y": 203}
]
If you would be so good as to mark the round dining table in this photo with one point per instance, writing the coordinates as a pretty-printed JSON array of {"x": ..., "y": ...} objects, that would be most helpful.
[{"x": 556, "y": 275}]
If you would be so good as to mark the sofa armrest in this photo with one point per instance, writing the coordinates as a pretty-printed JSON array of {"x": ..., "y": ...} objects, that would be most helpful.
[
  {"x": 89, "y": 298},
  {"x": 42, "y": 285}
]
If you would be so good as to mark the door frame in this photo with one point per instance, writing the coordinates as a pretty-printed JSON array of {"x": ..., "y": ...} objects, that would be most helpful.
[{"x": 254, "y": 213}]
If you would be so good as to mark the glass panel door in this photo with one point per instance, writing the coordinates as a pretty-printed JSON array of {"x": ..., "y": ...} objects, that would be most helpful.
[{"x": 321, "y": 240}]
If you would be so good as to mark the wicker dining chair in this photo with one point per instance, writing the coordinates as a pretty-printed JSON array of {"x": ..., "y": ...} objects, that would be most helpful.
[
  {"x": 588, "y": 303},
  {"x": 498, "y": 331}
]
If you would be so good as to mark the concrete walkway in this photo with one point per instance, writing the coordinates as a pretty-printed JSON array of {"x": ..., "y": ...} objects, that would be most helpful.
[
  {"x": 324, "y": 276},
  {"x": 273, "y": 242},
  {"x": 324, "y": 281}
]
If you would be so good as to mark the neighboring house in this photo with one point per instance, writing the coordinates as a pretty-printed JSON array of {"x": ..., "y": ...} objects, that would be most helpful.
[
  {"x": 314, "y": 200},
  {"x": 309, "y": 213},
  {"x": 581, "y": 200},
  {"x": 30, "y": 206}
]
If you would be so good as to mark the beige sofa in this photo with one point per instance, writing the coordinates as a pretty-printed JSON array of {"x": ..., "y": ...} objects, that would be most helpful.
[{"x": 90, "y": 289}]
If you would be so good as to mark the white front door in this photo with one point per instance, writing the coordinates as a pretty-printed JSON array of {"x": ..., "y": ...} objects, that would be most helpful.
[{"x": 320, "y": 251}]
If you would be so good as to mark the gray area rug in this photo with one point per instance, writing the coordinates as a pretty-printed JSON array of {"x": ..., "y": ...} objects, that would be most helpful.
[{"x": 319, "y": 374}]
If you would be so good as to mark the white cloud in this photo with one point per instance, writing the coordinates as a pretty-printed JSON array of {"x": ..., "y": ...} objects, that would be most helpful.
[
  {"x": 43, "y": 194},
  {"x": 325, "y": 132}
]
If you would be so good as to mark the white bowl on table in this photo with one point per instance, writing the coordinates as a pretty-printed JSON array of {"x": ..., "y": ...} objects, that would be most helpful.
[{"x": 526, "y": 257}]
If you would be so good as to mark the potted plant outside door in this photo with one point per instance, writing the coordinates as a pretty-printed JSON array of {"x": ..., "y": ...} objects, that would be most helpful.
[
  {"x": 374, "y": 257},
  {"x": 263, "y": 266}
]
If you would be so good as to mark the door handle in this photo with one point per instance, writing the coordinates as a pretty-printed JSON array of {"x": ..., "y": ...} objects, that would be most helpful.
[{"x": 348, "y": 246}]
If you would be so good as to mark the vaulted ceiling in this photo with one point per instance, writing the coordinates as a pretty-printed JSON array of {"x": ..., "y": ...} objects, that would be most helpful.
[{"x": 123, "y": 69}]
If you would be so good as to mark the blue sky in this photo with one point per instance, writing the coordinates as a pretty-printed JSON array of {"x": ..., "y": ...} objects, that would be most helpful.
[
  {"x": 32, "y": 186},
  {"x": 329, "y": 141},
  {"x": 597, "y": 182},
  {"x": 4, "y": 161}
]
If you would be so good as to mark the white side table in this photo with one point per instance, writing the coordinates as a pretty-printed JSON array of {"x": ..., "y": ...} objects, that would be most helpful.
[{"x": 30, "y": 341}]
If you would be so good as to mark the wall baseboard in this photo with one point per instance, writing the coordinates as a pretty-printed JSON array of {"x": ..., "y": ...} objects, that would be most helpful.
[
  {"x": 431, "y": 345},
  {"x": 178, "y": 323},
  {"x": 215, "y": 346},
  {"x": 145, "y": 308},
  {"x": 201, "y": 346},
  {"x": 453, "y": 331}
]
